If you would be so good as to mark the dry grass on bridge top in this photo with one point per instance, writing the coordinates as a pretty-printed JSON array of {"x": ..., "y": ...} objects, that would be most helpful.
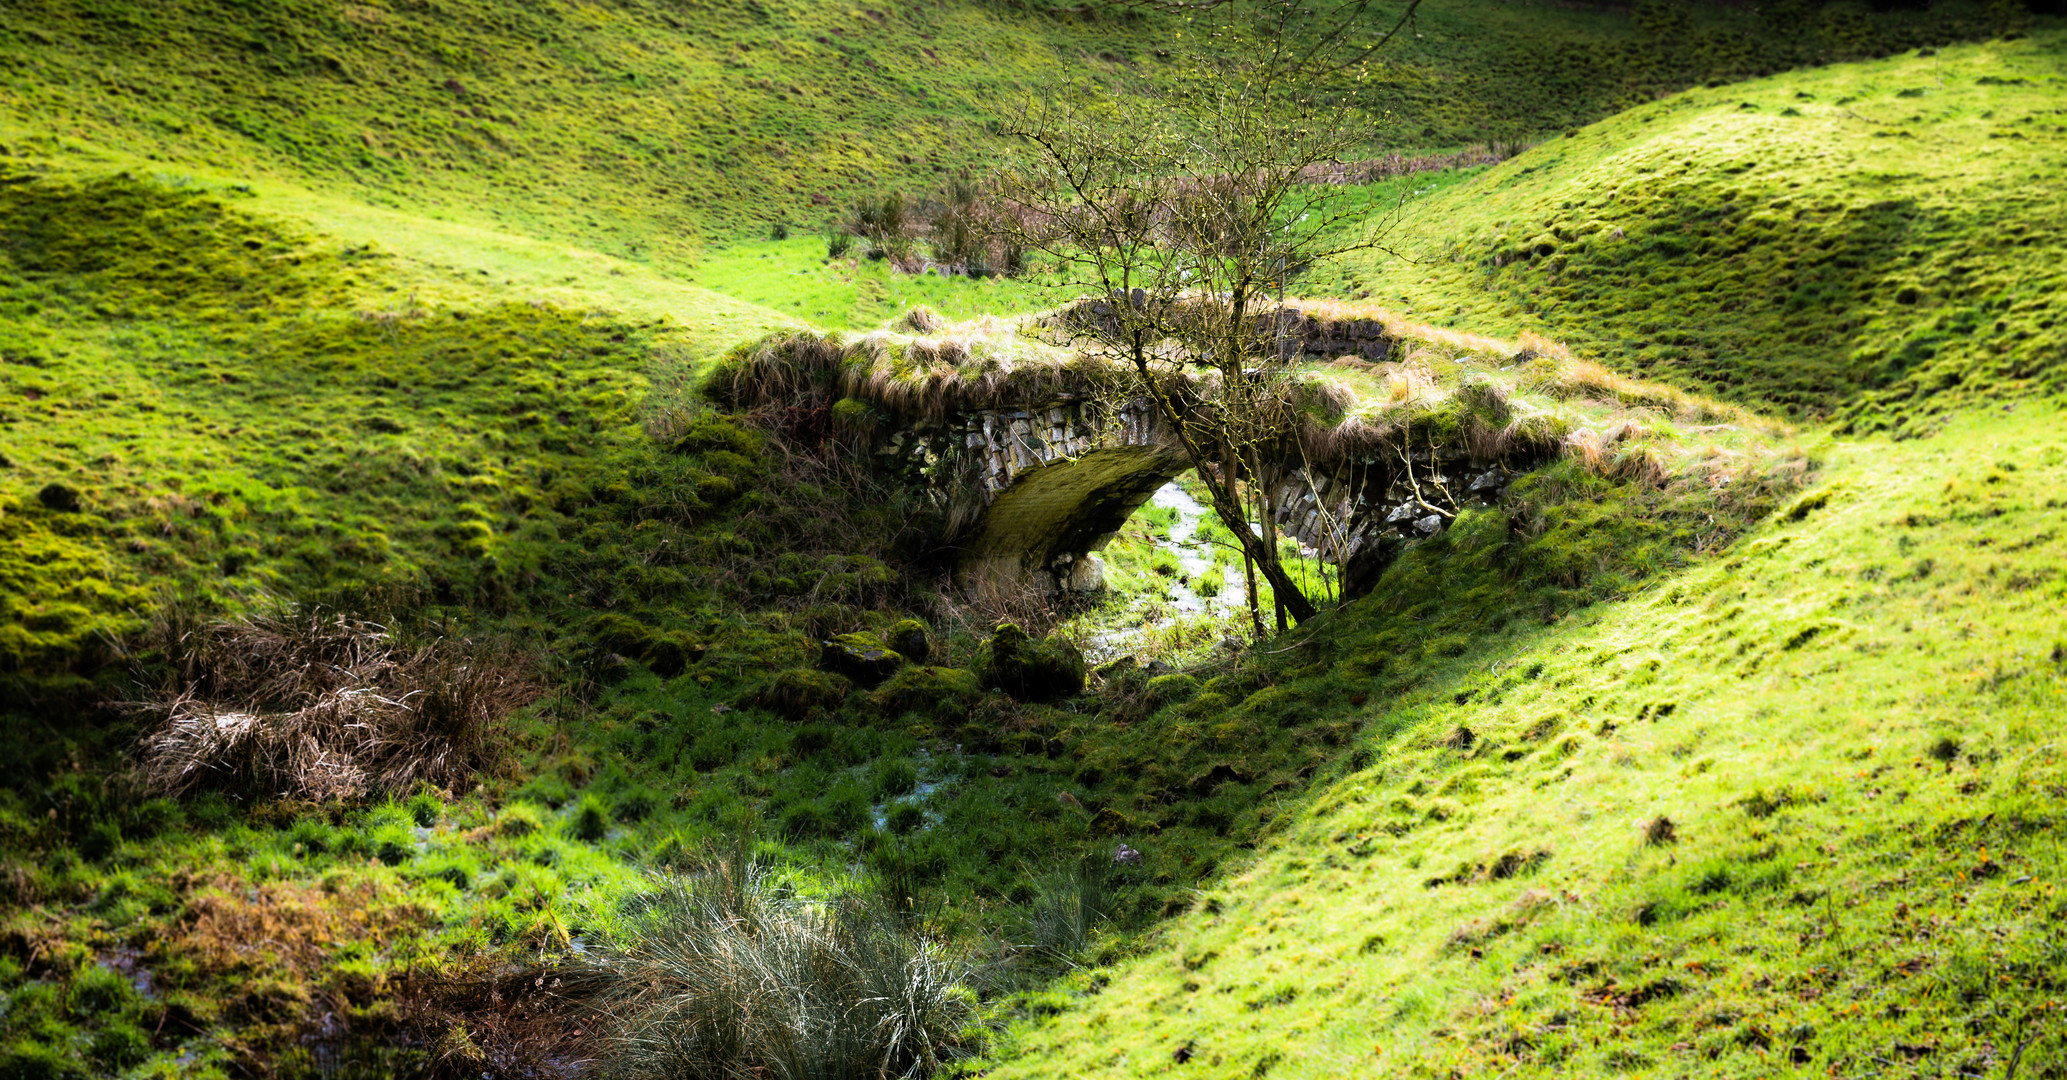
[{"x": 1528, "y": 397}]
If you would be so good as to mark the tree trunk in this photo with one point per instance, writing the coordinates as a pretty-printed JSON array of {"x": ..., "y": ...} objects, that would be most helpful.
[
  {"x": 1229, "y": 475},
  {"x": 1249, "y": 577},
  {"x": 1281, "y": 584},
  {"x": 1267, "y": 518}
]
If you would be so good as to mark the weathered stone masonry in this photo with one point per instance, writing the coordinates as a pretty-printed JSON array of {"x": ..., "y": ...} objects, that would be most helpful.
[{"x": 1031, "y": 492}]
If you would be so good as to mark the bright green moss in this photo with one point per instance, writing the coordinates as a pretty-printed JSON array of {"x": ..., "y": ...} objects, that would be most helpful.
[{"x": 943, "y": 695}]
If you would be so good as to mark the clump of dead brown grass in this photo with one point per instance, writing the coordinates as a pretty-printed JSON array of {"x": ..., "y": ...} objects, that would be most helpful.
[
  {"x": 932, "y": 373},
  {"x": 319, "y": 706}
]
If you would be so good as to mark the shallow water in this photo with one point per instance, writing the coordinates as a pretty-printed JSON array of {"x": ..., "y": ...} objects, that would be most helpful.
[{"x": 1118, "y": 632}]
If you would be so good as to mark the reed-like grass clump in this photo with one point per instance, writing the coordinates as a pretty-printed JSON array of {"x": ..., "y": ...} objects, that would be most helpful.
[{"x": 733, "y": 974}]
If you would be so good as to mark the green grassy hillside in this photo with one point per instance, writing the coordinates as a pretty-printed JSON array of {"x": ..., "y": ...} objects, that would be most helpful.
[
  {"x": 641, "y": 127},
  {"x": 207, "y": 401},
  {"x": 1873, "y": 242},
  {"x": 388, "y": 310},
  {"x": 1794, "y": 811}
]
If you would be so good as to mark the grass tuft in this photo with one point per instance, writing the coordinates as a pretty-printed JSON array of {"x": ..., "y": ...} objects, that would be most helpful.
[
  {"x": 316, "y": 706},
  {"x": 728, "y": 976}
]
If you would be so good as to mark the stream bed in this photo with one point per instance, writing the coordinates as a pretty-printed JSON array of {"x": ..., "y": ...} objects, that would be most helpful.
[{"x": 1149, "y": 612}]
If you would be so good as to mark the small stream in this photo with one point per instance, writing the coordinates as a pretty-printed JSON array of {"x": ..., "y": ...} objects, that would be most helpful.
[
  {"x": 1191, "y": 551},
  {"x": 1118, "y": 632}
]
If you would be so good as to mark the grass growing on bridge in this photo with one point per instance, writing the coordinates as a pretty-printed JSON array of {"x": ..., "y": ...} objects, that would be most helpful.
[{"x": 1529, "y": 398}]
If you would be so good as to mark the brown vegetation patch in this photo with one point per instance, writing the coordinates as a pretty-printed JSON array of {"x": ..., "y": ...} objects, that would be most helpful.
[
  {"x": 319, "y": 706},
  {"x": 286, "y": 931},
  {"x": 495, "y": 1018}
]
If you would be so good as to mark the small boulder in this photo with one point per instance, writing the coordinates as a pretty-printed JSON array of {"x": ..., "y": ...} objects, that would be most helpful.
[
  {"x": 60, "y": 498},
  {"x": 859, "y": 657},
  {"x": 1110, "y": 822},
  {"x": 1045, "y": 670},
  {"x": 909, "y": 639},
  {"x": 943, "y": 695},
  {"x": 798, "y": 694}
]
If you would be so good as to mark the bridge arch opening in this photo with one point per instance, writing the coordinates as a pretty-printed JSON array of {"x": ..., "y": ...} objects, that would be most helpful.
[{"x": 1049, "y": 525}]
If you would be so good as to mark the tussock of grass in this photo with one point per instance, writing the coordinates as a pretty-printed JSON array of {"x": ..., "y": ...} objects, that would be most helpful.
[
  {"x": 312, "y": 706},
  {"x": 727, "y": 977}
]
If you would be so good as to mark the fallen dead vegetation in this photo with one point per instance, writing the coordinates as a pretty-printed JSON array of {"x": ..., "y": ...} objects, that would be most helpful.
[{"x": 318, "y": 706}]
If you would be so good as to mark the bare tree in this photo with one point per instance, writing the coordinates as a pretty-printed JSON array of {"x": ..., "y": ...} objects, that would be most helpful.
[{"x": 1184, "y": 208}]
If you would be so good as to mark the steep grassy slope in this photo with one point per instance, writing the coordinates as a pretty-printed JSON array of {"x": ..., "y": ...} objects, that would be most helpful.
[
  {"x": 1871, "y": 241},
  {"x": 1795, "y": 811},
  {"x": 202, "y": 400},
  {"x": 636, "y": 127},
  {"x": 1791, "y": 810}
]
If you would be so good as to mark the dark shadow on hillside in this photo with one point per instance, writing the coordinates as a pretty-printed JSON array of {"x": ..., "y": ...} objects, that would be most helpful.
[{"x": 1852, "y": 311}]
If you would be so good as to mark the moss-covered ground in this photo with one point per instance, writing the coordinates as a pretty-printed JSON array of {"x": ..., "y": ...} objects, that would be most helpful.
[{"x": 397, "y": 311}]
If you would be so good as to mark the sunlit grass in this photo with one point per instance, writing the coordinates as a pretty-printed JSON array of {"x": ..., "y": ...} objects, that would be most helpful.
[{"x": 1488, "y": 887}]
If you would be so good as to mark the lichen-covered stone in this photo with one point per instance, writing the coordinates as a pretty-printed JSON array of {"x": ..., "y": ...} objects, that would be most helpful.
[
  {"x": 1029, "y": 670},
  {"x": 859, "y": 657},
  {"x": 943, "y": 695},
  {"x": 910, "y": 639},
  {"x": 799, "y": 693}
]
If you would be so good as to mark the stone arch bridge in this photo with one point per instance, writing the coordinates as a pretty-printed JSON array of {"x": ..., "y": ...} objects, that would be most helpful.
[
  {"x": 1034, "y": 472},
  {"x": 1033, "y": 491}
]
